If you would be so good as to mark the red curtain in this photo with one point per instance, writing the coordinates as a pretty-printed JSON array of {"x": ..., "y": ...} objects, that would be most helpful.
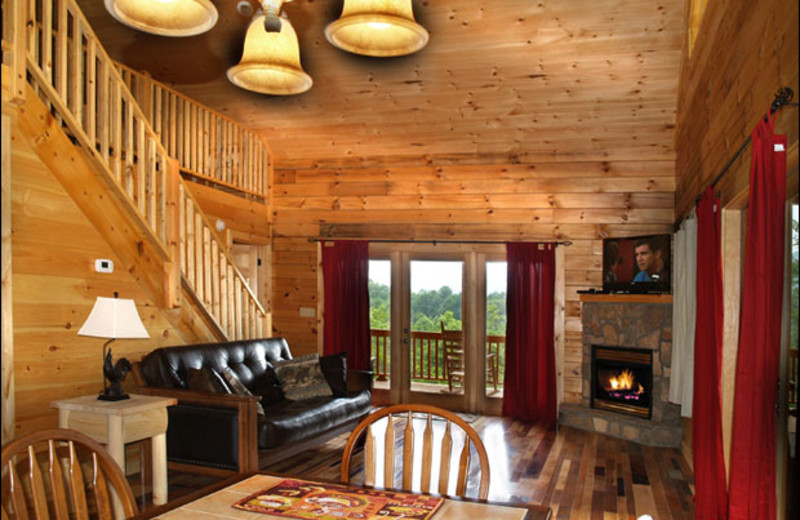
[
  {"x": 711, "y": 498},
  {"x": 530, "y": 379},
  {"x": 752, "y": 486},
  {"x": 345, "y": 271}
]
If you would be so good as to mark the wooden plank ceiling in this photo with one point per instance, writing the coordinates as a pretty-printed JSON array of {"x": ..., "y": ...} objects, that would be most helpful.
[{"x": 517, "y": 81}]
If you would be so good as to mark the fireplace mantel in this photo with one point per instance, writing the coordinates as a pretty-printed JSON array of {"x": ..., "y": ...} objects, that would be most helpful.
[{"x": 625, "y": 298}]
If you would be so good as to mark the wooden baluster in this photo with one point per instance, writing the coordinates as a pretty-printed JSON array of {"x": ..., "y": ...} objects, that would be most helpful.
[
  {"x": 158, "y": 100},
  {"x": 190, "y": 271},
  {"x": 182, "y": 233},
  {"x": 427, "y": 455},
  {"x": 444, "y": 466},
  {"x": 216, "y": 278},
  {"x": 77, "y": 78},
  {"x": 129, "y": 129},
  {"x": 153, "y": 177},
  {"x": 198, "y": 252},
  {"x": 207, "y": 266},
  {"x": 239, "y": 314},
  {"x": 103, "y": 106},
  {"x": 231, "y": 303},
  {"x": 141, "y": 165},
  {"x": 192, "y": 137},
  {"x": 369, "y": 458},
  {"x": 90, "y": 123},
  {"x": 62, "y": 48},
  {"x": 173, "y": 134},
  {"x": 388, "y": 455},
  {"x": 461, "y": 483},
  {"x": 116, "y": 131},
  {"x": 408, "y": 452},
  {"x": 212, "y": 146},
  {"x": 224, "y": 296},
  {"x": 47, "y": 40}
]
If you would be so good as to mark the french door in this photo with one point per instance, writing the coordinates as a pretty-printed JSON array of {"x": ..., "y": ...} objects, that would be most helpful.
[{"x": 416, "y": 292}]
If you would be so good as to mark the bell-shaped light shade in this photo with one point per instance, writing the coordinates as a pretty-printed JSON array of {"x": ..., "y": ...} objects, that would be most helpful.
[
  {"x": 165, "y": 17},
  {"x": 114, "y": 318},
  {"x": 270, "y": 62},
  {"x": 380, "y": 28}
]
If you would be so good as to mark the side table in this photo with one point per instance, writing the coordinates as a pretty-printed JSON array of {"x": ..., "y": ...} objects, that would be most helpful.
[{"x": 115, "y": 423}]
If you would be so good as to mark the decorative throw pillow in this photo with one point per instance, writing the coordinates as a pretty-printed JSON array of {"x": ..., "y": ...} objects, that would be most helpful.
[
  {"x": 238, "y": 387},
  {"x": 268, "y": 387},
  {"x": 334, "y": 367},
  {"x": 206, "y": 379},
  {"x": 302, "y": 378}
]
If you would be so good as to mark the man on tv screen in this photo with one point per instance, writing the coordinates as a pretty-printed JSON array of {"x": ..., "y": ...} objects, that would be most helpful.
[{"x": 648, "y": 253}]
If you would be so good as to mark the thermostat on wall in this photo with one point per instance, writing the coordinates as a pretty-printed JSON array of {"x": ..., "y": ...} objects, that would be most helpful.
[{"x": 104, "y": 265}]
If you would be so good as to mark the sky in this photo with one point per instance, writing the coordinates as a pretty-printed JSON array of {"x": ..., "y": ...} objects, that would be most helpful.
[{"x": 432, "y": 275}]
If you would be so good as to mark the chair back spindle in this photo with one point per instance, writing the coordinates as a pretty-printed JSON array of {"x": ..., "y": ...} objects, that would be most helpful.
[{"x": 393, "y": 416}]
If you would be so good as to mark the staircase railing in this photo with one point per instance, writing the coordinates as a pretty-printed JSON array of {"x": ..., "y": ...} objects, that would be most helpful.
[
  {"x": 207, "y": 144},
  {"x": 85, "y": 92}
]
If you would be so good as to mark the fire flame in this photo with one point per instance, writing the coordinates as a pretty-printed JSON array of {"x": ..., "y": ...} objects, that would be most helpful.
[{"x": 624, "y": 381}]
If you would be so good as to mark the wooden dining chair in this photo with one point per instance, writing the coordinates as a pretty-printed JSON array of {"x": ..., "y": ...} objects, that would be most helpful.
[
  {"x": 453, "y": 344},
  {"x": 61, "y": 474},
  {"x": 394, "y": 417}
]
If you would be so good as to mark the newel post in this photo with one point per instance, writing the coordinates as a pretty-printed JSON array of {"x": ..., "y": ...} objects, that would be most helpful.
[{"x": 172, "y": 276}]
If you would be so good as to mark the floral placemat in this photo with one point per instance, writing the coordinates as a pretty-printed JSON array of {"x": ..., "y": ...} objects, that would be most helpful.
[{"x": 309, "y": 500}]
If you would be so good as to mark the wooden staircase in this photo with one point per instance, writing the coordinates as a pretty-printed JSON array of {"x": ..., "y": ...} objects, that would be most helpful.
[{"x": 87, "y": 126}]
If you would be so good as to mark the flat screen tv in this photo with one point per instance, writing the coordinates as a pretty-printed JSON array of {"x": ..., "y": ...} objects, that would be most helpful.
[{"x": 637, "y": 264}]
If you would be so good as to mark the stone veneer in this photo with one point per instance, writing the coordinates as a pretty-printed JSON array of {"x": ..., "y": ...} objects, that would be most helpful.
[{"x": 632, "y": 325}]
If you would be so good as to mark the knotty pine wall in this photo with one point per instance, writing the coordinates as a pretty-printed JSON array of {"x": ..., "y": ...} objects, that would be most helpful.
[
  {"x": 580, "y": 201},
  {"x": 54, "y": 288}
]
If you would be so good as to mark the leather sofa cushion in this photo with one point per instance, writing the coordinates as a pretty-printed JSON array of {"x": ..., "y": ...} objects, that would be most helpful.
[
  {"x": 290, "y": 421},
  {"x": 167, "y": 367}
]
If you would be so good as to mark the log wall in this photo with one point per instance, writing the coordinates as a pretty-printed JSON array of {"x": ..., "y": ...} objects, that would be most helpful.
[
  {"x": 579, "y": 201},
  {"x": 55, "y": 286}
]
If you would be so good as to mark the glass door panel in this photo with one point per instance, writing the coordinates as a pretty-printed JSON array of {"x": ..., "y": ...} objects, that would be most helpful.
[
  {"x": 380, "y": 312},
  {"x": 496, "y": 280},
  {"x": 436, "y": 288}
]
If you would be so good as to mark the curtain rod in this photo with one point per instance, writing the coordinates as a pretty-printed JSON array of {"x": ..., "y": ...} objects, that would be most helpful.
[
  {"x": 434, "y": 242},
  {"x": 783, "y": 98}
]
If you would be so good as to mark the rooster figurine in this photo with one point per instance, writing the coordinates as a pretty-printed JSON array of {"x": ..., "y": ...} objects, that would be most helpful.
[{"x": 114, "y": 374}]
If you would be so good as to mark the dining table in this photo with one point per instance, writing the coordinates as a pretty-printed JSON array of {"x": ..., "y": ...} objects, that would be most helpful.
[{"x": 265, "y": 496}]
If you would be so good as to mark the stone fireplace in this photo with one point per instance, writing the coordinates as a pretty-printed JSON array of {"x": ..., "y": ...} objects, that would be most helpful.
[{"x": 627, "y": 353}]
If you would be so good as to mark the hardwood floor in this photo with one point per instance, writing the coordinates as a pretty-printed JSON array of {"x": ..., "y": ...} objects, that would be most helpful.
[{"x": 580, "y": 475}]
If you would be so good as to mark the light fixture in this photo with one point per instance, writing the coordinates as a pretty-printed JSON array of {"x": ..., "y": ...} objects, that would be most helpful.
[
  {"x": 379, "y": 28},
  {"x": 113, "y": 318},
  {"x": 165, "y": 17},
  {"x": 270, "y": 61}
]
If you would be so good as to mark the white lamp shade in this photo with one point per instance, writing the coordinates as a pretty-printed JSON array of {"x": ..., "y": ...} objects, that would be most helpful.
[
  {"x": 270, "y": 62},
  {"x": 380, "y": 28},
  {"x": 165, "y": 17},
  {"x": 114, "y": 318}
]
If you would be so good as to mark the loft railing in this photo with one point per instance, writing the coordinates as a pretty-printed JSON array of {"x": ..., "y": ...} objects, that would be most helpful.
[
  {"x": 207, "y": 144},
  {"x": 427, "y": 355},
  {"x": 86, "y": 94}
]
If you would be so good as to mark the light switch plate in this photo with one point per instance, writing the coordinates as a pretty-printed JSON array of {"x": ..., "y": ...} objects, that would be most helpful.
[
  {"x": 307, "y": 312},
  {"x": 104, "y": 265}
]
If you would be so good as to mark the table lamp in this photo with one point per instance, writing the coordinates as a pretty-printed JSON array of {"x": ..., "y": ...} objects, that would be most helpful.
[{"x": 113, "y": 318}]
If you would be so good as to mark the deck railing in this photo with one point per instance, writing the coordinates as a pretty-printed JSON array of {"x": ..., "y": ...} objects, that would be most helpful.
[
  {"x": 427, "y": 355},
  {"x": 207, "y": 144},
  {"x": 86, "y": 94}
]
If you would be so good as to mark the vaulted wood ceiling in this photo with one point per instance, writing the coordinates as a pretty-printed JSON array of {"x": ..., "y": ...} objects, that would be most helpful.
[{"x": 499, "y": 82}]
